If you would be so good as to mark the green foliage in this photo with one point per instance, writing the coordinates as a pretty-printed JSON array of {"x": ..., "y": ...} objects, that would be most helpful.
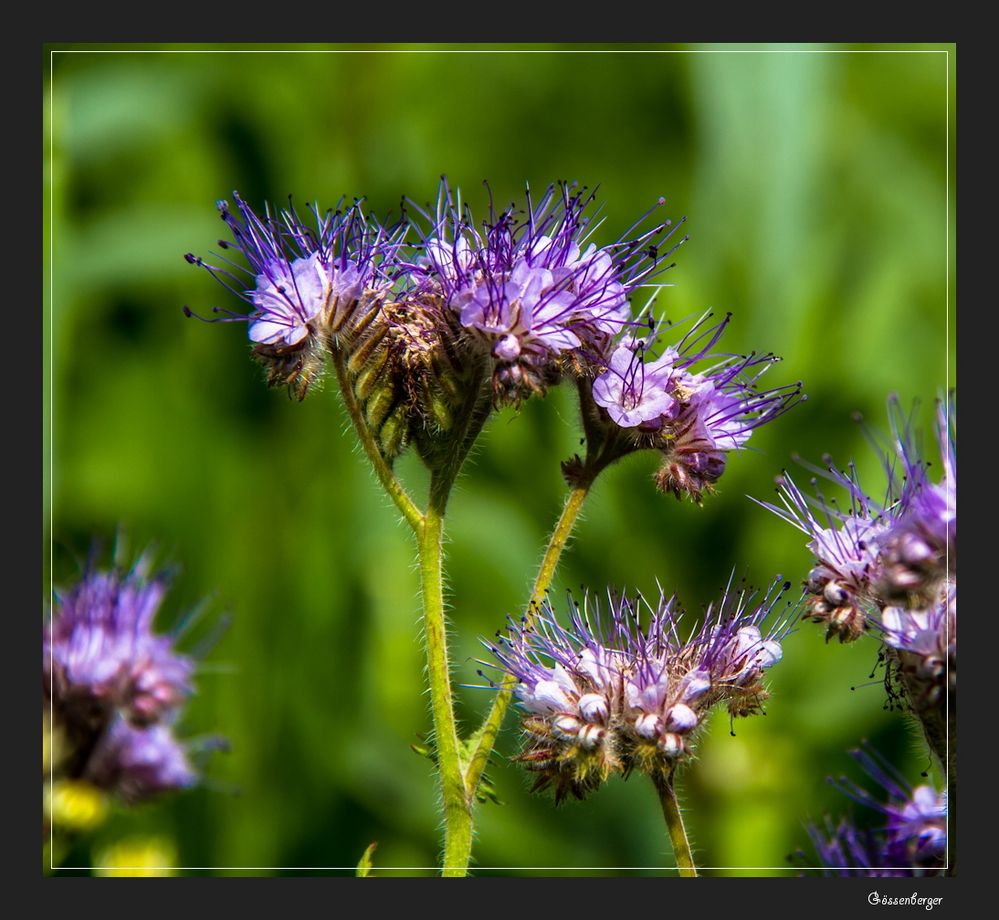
[{"x": 816, "y": 192}]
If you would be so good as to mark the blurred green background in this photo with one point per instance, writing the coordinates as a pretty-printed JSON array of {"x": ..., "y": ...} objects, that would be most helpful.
[{"x": 815, "y": 188}]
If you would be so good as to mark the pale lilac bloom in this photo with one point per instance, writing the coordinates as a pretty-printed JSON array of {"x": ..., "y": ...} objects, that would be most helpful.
[
  {"x": 634, "y": 391},
  {"x": 693, "y": 403},
  {"x": 288, "y": 297},
  {"x": 523, "y": 317},
  {"x": 305, "y": 279},
  {"x": 523, "y": 287}
]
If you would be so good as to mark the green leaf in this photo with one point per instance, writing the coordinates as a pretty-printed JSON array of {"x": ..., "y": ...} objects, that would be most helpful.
[
  {"x": 365, "y": 866},
  {"x": 487, "y": 792}
]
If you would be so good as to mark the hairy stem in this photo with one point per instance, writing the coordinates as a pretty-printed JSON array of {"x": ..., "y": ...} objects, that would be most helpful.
[
  {"x": 485, "y": 737},
  {"x": 674, "y": 823},
  {"x": 385, "y": 475},
  {"x": 457, "y": 803}
]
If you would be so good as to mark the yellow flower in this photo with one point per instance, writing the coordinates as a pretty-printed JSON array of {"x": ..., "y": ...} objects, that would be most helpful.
[
  {"x": 76, "y": 806},
  {"x": 137, "y": 856}
]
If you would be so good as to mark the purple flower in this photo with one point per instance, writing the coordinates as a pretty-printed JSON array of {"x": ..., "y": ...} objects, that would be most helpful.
[
  {"x": 289, "y": 297},
  {"x": 847, "y": 851},
  {"x": 636, "y": 392},
  {"x": 100, "y": 653},
  {"x": 920, "y": 548},
  {"x": 113, "y": 686},
  {"x": 307, "y": 286},
  {"x": 604, "y": 696},
  {"x": 139, "y": 763},
  {"x": 845, "y": 545},
  {"x": 874, "y": 554},
  {"x": 910, "y": 839},
  {"x": 695, "y": 416},
  {"x": 924, "y": 643},
  {"x": 526, "y": 290}
]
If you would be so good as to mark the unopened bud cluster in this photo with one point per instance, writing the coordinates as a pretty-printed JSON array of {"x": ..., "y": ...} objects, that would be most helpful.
[{"x": 605, "y": 696}]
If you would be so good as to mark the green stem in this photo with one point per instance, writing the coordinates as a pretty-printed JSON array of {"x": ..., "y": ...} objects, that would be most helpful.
[
  {"x": 674, "y": 823},
  {"x": 457, "y": 803},
  {"x": 485, "y": 737},
  {"x": 384, "y": 472}
]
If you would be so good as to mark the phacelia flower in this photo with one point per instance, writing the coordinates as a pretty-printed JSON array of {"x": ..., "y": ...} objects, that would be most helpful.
[
  {"x": 100, "y": 653},
  {"x": 694, "y": 416},
  {"x": 910, "y": 839},
  {"x": 884, "y": 566},
  {"x": 845, "y": 545},
  {"x": 636, "y": 392},
  {"x": 527, "y": 292},
  {"x": 308, "y": 287},
  {"x": 139, "y": 763},
  {"x": 114, "y": 687},
  {"x": 920, "y": 548},
  {"x": 604, "y": 696}
]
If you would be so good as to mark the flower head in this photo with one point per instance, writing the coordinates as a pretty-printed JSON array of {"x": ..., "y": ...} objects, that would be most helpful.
[
  {"x": 874, "y": 554},
  {"x": 695, "y": 413},
  {"x": 605, "y": 696},
  {"x": 114, "y": 687},
  {"x": 307, "y": 286},
  {"x": 920, "y": 547},
  {"x": 910, "y": 839},
  {"x": 525, "y": 288},
  {"x": 100, "y": 652},
  {"x": 885, "y": 566},
  {"x": 139, "y": 763},
  {"x": 845, "y": 545}
]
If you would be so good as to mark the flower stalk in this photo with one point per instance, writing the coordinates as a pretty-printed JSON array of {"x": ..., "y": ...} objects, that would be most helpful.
[
  {"x": 457, "y": 803},
  {"x": 485, "y": 738},
  {"x": 674, "y": 824}
]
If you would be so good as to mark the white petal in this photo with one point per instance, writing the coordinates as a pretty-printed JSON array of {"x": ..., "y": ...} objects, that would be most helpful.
[
  {"x": 267, "y": 332},
  {"x": 549, "y": 695}
]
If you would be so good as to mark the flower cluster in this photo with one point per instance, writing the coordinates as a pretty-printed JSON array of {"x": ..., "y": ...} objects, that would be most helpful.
[
  {"x": 114, "y": 687},
  {"x": 890, "y": 566},
  {"x": 435, "y": 321},
  {"x": 911, "y": 840},
  {"x": 605, "y": 696},
  {"x": 694, "y": 416},
  {"x": 530, "y": 297},
  {"x": 309, "y": 287}
]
